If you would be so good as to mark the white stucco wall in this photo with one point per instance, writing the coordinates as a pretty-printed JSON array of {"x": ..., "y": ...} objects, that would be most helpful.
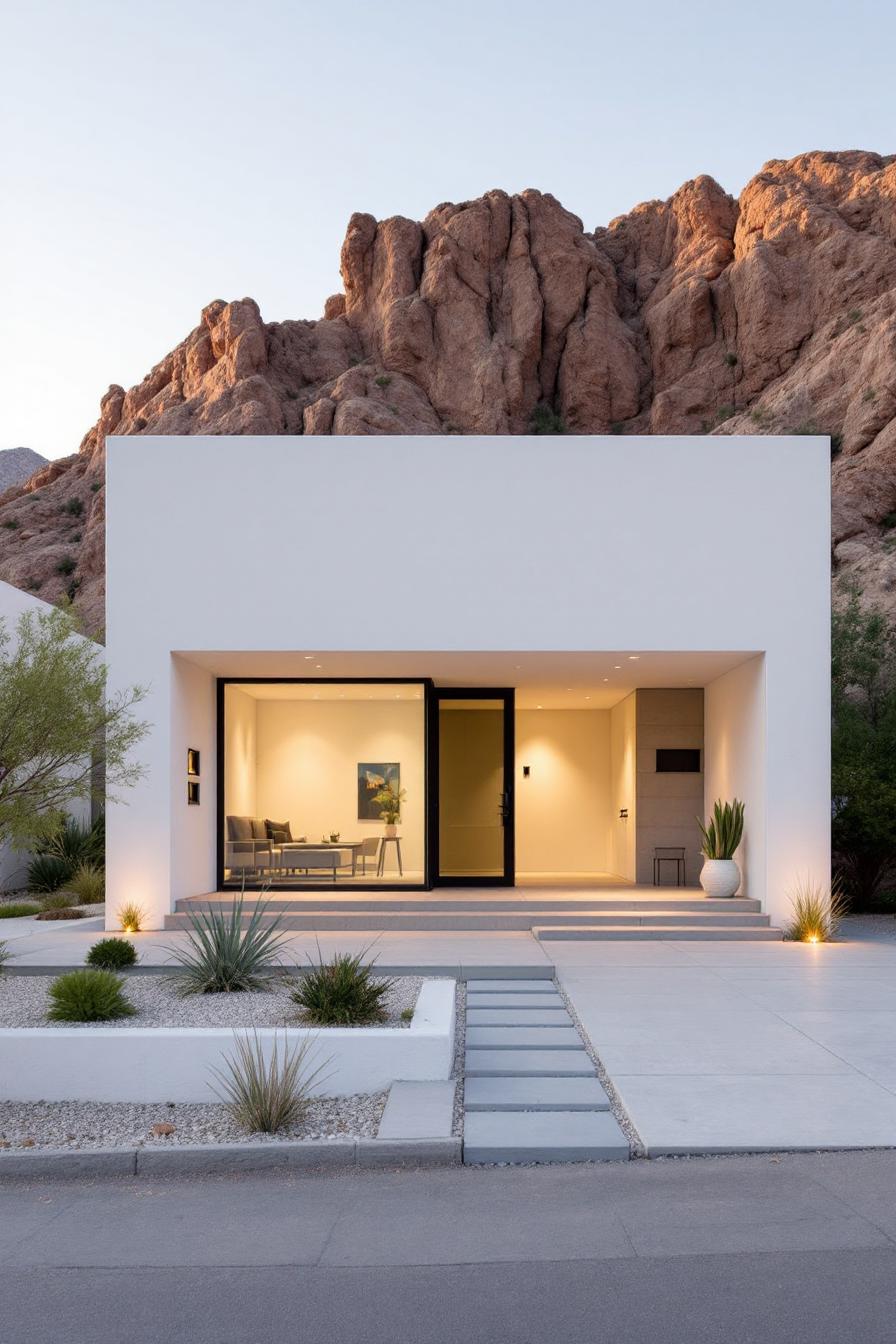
[
  {"x": 735, "y": 730},
  {"x": 531, "y": 543}
]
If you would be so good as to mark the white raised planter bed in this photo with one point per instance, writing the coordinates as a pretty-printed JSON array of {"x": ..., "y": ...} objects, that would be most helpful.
[{"x": 159, "y": 1064}]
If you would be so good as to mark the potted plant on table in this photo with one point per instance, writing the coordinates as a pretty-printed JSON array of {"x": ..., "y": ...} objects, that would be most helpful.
[
  {"x": 389, "y": 801},
  {"x": 720, "y": 875}
]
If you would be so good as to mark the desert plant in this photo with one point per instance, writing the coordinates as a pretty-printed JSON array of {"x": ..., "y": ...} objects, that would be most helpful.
[
  {"x": 130, "y": 916},
  {"x": 112, "y": 954},
  {"x": 57, "y": 900},
  {"x": 389, "y": 801},
  {"x": 545, "y": 420},
  {"x": 5, "y": 955},
  {"x": 817, "y": 911},
  {"x": 266, "y": 1095},
  {"x": 407, "y": 1014},
  {"x": 48, "y": 872},
  {"x": 88, "y": 884},
  {"x": 76, "y": 842},
  {"x": 73, "y": 506},
  {"x": 88, "y": 996},
  {"x": 342, "y": 992},
  {"x": 66, "y": 566},
  {"x": 18, "y": 909},
  {"x": 222, "y": 957},
  {"x": 383, "y": 380},
  {"x": 724, "y": 831}
]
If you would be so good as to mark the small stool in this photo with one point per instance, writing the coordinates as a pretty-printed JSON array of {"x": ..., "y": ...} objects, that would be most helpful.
[
  {"x": 669, "y": 854},
  {"x": 381, "y": 864}
]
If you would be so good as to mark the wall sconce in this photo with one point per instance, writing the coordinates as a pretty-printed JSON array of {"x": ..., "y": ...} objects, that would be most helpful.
[
  {"x": 526, "y": 770},
  {"x": 192, "y": 775},
  {"x": 192, "y": 761},
  {"x": 623, "y": 814}
]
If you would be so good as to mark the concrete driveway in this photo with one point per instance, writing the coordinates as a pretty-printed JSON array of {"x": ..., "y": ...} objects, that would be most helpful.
[{"x": 740, "y": 1047}]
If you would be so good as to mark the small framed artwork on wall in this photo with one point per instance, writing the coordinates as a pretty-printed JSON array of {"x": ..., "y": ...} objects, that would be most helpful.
[{"x": 373, "y": 777}]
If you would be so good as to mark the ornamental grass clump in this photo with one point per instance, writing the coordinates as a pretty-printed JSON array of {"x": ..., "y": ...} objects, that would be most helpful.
[
  {"x": 130, "y": 917},
  {"x": 724, "y": 831},
  {"x": 87, "y": 884},
  {"x": 267, "y": 1091},
  {"x": 88, "y": 996},
  {"x": 18, "y": 909},
  {"x": 342, "y": 992},
  {"x": 223, "y": 957},
  {"x": 817, "y": 911},
  {"x": 112, "y": 954}
]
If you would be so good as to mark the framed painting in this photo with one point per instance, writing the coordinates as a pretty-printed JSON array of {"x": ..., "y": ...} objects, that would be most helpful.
[{"x": 373, "y": 776}]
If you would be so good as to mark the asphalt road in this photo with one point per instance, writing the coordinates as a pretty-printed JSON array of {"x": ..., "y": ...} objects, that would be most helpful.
[{"x": 729, "y": 1250}]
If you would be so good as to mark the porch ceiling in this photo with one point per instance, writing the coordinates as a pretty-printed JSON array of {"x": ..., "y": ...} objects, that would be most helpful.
[{"x": 595, "y": 679}]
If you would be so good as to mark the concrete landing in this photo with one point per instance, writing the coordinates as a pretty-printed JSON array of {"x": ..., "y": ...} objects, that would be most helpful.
[{"x": 543, "y": 1136}]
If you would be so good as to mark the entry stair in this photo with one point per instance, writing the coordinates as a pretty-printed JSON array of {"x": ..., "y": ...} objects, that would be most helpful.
[
  {"x": 531, "y": 1091},
  {"x": 621, "y": 913}
]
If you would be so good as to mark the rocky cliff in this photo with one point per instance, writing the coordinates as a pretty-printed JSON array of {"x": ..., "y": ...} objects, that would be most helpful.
[{"x": 702, "y": 314}]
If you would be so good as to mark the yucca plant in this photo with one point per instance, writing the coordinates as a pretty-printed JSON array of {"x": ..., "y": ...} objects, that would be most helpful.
[
  {"x": 817, "y": 911},
  {"x": 130, "y": 916},
  {"x": 48, "y": 872},
  {"x": 342, "y": 992},
  {"x": 267, "y": 1094},
  {"x": 87, "y": 884},
  {"x": 88, "y": 996},
  {"x": 724, "y": 831},
  {"x": 222, "y": 957}
]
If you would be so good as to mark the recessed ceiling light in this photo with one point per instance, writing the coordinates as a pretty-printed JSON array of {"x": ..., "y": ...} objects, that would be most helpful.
[
  {"x": 606, "y": 678},
  {"x": 317, "y": 667},
  {"x": 616, "y": 667},
  {"x": 538, "y": 706},
  {"x": 633, "y": 657},
  {"x": 587, "y": 697},
  {"x": 309, "y": 657}
]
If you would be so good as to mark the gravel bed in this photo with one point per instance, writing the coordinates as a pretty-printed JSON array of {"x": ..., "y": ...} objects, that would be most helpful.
[
  {"x": 637, "y": 1144},
  {"x": 874, "y": 928},
  {"x": 84, "y": 1124},
  {"x": 23, "y": 1003},
  {"x": 460, "y": 1045}
]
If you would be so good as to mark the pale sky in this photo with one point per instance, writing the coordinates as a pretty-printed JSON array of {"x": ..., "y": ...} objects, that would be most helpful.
[{"x": 159, "y": 154}]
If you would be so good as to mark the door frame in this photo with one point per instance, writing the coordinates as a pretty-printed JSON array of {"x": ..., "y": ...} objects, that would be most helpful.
[{"x": 507, "y": 695}]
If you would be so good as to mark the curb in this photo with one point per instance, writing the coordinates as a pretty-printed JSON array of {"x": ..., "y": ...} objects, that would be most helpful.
[{"x": 224, "y": 1159}]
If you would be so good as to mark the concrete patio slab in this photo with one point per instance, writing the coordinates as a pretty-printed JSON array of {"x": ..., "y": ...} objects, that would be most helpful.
[{"x": 543, "y": 1136}]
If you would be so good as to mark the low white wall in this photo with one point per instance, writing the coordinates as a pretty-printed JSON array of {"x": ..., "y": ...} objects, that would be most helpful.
[{"x": 158, "y": 1064}]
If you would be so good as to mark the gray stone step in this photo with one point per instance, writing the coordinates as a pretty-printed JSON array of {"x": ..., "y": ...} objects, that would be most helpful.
[
  {"x": 518, "y": 1017},
  {"x": 511, "y": 986},
  {"x": 418, "y": 1111},
  {"x": 535, "y": 1094},
  {"x": 346, "y": 901},
  {"x": 543, "y": 1136},
  {"x": 509, "y": 999},
  {"x": 670, "y": 933},
  {"x": 528, "y": 1064},
  {"x": 523, "y": 1038}
]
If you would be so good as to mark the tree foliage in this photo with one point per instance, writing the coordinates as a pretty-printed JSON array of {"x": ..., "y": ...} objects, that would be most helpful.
[
  {"x": 62, "y": 732},
  {"x": 863, "y": 741}
]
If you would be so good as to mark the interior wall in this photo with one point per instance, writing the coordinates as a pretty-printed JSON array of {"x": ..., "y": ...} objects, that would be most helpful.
[
  {"x": 192, "y": 824},
  {"x": 736, "y": 762},
  {"x": 668, "y": 805},
  {"x": 240, "y": 752},
  {"x": 307, "y": 756},
  {"x": 563, "y": 808},
  {"x": 623, "y": 794}
]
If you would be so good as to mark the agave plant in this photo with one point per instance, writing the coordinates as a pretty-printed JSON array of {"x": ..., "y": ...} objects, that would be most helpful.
[
  {"x": 222, "y": 957},
  {"x": 724, "y": 831}
]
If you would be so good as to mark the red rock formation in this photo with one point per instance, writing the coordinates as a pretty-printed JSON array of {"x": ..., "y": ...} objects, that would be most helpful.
[{"x": 774, "y": 313}]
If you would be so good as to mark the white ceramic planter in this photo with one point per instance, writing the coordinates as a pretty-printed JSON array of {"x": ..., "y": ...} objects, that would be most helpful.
[{"x": 719, "y": 878}]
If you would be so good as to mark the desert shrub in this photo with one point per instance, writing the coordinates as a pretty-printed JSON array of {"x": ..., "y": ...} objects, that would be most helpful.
[
  {"x": 545, "y": 420},
  {"x": 66, "y": 566},
  {"x": 97, "y": 486},
  {"x": 74, "y": 506},
  {"x": 383, "y": 380},
  {"x": 48, "y": 872},
  {"x": 817, "y": 911},
  {"x": 11, "y": 524},
  {"x": 130, "y": 916},
  {"x": 88, "y": 996},
  {"x": 731, "y": 359},
  {"x": 112, "y": 954},
  {"x": 407, "y": 1014},
  {"x": 889, "y": 520},
  {"x": 265, "y": 1095},
  {"x": 18, "y": 909},
  {"x": 222, "y": 957},
  {"x": 342, "y": 992},
  {"x": 5, "y": 955},
  {"x": 77, "y": 842},
  {"x": 88, "y": 884}
]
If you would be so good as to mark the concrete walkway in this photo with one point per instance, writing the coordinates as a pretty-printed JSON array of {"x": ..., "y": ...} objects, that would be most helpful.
[
  {"x": 743, "y": 1047},
  {"x": 799, "y": 1250}
]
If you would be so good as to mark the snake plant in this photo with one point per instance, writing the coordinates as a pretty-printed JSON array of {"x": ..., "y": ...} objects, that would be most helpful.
[{"x": 723, "y": 832}]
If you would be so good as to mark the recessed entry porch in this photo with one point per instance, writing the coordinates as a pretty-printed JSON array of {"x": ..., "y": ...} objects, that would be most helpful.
[{"x": 559, "y": 776}]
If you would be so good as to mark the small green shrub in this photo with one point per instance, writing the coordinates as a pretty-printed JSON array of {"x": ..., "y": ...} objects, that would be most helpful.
[
  {"x": 11, "y": 523},
  {"x": 817, "y": 911},
  {"x": 32, "y": 584},
  {"x": 112, "y": 954},
  {"x": 18, "y": 909},
  {"x": 74, "y": 506},
  {"x": 383, "y": 380},
  {"x": 266, "y": 1095},
  {"x": 889, "y": 520},
  {"x": 77, "y": 842},
  {"x": 869, "y": 394},
  {"x": 57, "y": 900},
  {"x": 545, "y": 420},
  {"x": 222, "y": 957},
  {"x": 48, "y": 872},
  {"x": 342, "y": 992},
  {"x": 854, "y": 314},
  {"x": 617, "y": 427},
  {"x": 130, "y": 917},
  {"x": 66, "y": 566},
  {"x": 88, "y": 884},
  {"x": 836, "y": 445},
  {"x": 407, "y": 1014},
  {"x": 88, "y": 996},
  {"x": 731, "y": 359},
  {"x": 97, "y": 485}
]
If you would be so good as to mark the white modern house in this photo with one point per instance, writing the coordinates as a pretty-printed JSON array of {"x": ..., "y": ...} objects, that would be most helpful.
[{"x": 559, "y": 651}]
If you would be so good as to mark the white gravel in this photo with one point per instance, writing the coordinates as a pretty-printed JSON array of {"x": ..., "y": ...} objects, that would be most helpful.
[
  {"x": 82, "y": 1124},
  {"x": 24, "y": 1003},
  {"x": 638, "y": 1148},
  {"x": 875, "y": 928}
]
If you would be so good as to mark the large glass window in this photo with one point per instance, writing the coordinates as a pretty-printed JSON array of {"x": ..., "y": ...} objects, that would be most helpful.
[{"x": 323, "y": 783}]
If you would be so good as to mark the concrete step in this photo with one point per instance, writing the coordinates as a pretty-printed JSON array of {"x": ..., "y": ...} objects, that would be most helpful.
[
  {"x": 508, "y": 998},
  {"x": 519, "y": 921},
  {"x": 534, "y": 1094},
  {"x": 418, "y": 1111},
  {"x": 670, "y": 932},
  {"x": 329, "y": 902},
  {"x": 523, "y": 1038},
  {"x": 518, "y": 1017},
  {"x": 499, "y": 1063},
  {"x": 543, "y": 1136}
]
